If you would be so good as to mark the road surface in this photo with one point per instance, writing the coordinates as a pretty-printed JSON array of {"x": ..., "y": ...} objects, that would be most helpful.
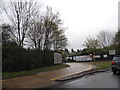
[
  {"x": 97, "y": 80},
  {"x": 44, "y": 79}
]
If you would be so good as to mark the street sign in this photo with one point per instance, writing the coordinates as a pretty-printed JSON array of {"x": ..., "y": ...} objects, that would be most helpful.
[
  {"x": 105, "y": 56},
  {"x": 111, "y": 52},
  {"x": 57, "y": 58}
]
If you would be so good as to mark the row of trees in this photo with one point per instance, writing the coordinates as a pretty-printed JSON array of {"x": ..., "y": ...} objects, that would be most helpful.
[
  {"x": 105, "y": 41},
  {"x": 31, "y": 27},
  {"x": 101, "y": 45}
]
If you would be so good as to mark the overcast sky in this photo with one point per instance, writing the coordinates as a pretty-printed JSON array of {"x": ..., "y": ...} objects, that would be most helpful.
[{"x": 85, "y": 18}]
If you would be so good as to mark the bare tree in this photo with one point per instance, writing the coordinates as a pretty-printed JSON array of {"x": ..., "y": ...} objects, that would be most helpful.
[
  {"x": 21, "y": 14},
  {"x": 36, "y": 34},
  {"x": 1, "y": 4},
  {"x": 46, "y": 31},
  {"x": 105, "y": 38},
  {"x": 91, "y": 43},
  {"x": 1, "y": 9}
]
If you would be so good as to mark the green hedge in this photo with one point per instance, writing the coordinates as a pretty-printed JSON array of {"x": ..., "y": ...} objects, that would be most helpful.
[
  {"x": 49, "y": 57},
  {"x": 18, "y": 59}
]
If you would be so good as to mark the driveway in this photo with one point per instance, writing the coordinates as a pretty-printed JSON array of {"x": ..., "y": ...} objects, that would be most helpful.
[{"x": 45, "y": 79}]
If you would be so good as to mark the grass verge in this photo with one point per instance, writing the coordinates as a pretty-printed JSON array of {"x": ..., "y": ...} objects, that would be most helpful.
[
  {"x": 7, "y": 75},
  {"x": 101, "y": 64}
]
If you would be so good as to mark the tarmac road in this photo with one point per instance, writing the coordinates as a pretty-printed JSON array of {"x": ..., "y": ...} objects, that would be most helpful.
[
  {"x": 97, "y": 80},
  {"x": 44, "y": 79}
]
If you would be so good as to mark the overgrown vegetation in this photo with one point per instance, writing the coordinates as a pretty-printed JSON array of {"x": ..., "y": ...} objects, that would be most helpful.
[{"x": 101, "y": 64}]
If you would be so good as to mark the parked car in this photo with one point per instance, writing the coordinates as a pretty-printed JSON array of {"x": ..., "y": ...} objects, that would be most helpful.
[{"x": 116, "y": 64}]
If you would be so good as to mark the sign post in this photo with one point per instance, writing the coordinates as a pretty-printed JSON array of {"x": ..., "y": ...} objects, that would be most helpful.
[{"x": 111, "y": 52}]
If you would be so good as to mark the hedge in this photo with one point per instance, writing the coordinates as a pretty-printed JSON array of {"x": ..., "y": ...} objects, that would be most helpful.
[{"x": 19, "y": 59}]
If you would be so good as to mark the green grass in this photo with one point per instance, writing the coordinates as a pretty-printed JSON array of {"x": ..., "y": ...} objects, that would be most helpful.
[
  {"x": 6, "y": 75},
  {"x": 101, "y": 64}
]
